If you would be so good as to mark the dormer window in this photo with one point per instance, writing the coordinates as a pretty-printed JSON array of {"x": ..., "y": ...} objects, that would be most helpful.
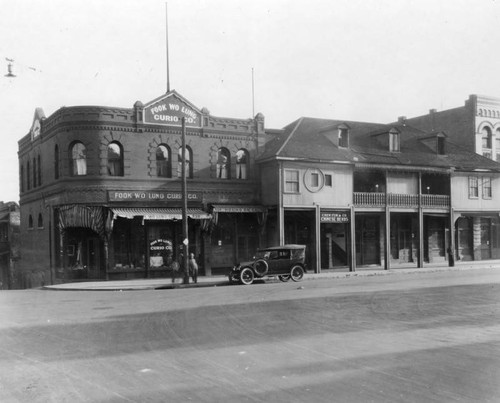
[
  {"x": 440, "y": 145},
  {"x": 394, "y": 143},
  {"x": 343, "y": 137}
]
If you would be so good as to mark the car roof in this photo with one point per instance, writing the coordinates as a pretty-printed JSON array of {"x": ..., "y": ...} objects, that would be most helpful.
[{"x": 289, "y": 246}]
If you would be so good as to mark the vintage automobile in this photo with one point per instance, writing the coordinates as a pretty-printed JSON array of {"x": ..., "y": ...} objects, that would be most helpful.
[{"x": 286, "y": 262}]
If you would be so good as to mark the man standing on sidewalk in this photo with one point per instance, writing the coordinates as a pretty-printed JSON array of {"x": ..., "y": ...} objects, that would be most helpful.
[{"x": 193, "y": 268}]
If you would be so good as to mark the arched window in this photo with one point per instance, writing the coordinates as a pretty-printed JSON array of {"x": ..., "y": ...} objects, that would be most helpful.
[
  {"x": 21, "y": 178},
  {"x": 188, "y": 162},
  {"x": 242, "y": 164},
  {"x": 163, "y": 162},
  {"x": 78, "y": 159},
  {"x": 34, "y": 173},
  {"x": 56, "y": 162},
  {"x": 28, "y": 176},
  {"x": 486, "y": 136},
  {"x": 115, "y": 159},
  {"x": 30, "y": 221},
  {"x": 40, "y": 220},
  {"x": 223, "y": 163},
  {"x": 39, "y": 166},
  {"x": 497, "y": 144}
]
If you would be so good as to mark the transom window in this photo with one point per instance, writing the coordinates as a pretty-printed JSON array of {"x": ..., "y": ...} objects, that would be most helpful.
[{"x": 78, "y": 159}]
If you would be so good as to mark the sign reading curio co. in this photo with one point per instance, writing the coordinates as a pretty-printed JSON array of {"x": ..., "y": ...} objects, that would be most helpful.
[
  {"x": 169, "y": 111},
  {"x": 141, "y": 195}
]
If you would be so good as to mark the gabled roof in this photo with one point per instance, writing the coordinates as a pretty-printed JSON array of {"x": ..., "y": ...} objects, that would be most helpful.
[{"x": 306, "y": 139}]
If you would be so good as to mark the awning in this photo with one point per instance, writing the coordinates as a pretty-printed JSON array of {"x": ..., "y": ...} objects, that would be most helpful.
[
  {"x": 160, "y": 213},
  {"x": 238, "y": 208}
]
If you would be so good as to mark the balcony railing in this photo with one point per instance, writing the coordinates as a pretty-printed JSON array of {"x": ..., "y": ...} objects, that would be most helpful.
[{"x": 371, "y": 199}]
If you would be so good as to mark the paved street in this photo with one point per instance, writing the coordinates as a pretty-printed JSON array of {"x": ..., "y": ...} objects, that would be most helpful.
[{"x": 420, "y": 337}]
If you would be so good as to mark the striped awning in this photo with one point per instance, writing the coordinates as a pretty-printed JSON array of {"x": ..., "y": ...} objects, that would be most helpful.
[{"x": 160, "y": 213}]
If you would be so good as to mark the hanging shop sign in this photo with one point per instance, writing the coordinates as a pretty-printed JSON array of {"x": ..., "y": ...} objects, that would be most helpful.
[
  {"x": 148, "y": 195},
  {"x": 170, "y": 110},
  {"x": 334, "y": 217}
]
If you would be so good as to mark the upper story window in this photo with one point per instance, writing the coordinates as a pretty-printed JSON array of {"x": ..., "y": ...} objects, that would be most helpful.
[
  {"x": 21, "y": 178},
  {"x": 39, "y": 166},
  {"x": 223, "y": 163},
  {"x": 343, "y": 137},
  {"x": 487, "y": 188},
  {"x": 497, "y": 145},
  {"x": 242, "y": 164},
  {"x": 78, "y": 154},
  {"x": 394, "y": 141},
  {"x": 40, "y": 220},
  {"x": 34, "y": 173},
  {"x": 291, "y": 181},
  {"x": 115, "y": 159},
  {"x": 187, "y": 161},
  {"x": 30, "y": 221},
  {"x": 473, "y": 187},
  {"x": 56, "y": 162},
  {"x": 486, "y": 137},
  {"x": 163, "y": 162},
  {"x": 28, "y": 176}
]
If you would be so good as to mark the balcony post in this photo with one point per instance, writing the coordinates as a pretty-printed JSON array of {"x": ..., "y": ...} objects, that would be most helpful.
[{"x": 420, "y": 224}]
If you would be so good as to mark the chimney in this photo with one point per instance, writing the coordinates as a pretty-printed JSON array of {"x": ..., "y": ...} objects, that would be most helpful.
[{"x": 402, "y": 119}]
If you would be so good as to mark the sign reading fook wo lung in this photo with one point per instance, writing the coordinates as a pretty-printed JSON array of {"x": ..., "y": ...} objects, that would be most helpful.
[{"x": 169, "y": 111}]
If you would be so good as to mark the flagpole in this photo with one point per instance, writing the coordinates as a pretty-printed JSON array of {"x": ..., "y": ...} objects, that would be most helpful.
[{"x": 166, "y": 41}]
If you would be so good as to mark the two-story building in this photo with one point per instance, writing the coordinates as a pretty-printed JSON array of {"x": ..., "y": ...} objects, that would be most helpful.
[
  {"x": 9, "y": 243},
  {"x": 101, "y": 189},
  {"x": 366, "y": 194}
]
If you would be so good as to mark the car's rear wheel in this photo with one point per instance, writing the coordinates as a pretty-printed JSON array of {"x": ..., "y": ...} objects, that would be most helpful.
[
  {"x": 261, "y": 267},
  {"x": 297, "y": 273},
  {"x": 284, "y": 277},
  {"x": 246, "y": 276}
]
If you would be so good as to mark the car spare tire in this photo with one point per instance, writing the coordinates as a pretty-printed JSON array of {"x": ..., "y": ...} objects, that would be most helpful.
[{"x": 261, "y": 267}]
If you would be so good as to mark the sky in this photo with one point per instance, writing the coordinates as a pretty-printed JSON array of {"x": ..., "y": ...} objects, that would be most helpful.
[{"x": 365, "y": 60}]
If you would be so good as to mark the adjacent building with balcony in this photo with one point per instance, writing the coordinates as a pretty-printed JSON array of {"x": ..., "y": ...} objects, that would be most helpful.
[{"x": 363, "y": 194}]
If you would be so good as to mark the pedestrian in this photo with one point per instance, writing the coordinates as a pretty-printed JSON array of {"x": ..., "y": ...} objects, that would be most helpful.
[
  {"x": 172, "y": 265},
  {"x": 193, "y": 268}
]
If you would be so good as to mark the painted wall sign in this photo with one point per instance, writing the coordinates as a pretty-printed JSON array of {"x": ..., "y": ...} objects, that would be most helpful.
[
  {"x": 334, "y": 217},
  {"x": 169, "y": 111},
  {"x": 148, "y": 195}
]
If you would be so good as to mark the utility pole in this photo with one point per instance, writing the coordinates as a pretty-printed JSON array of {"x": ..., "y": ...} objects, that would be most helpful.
[{"x": 185, "y": 237}]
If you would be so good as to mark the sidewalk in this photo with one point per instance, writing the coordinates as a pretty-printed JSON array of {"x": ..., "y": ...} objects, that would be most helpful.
[{"x": 215, "y": 281}]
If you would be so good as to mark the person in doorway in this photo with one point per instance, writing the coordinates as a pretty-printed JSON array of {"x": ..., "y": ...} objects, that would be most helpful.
[{"x": 193, "y": 268}]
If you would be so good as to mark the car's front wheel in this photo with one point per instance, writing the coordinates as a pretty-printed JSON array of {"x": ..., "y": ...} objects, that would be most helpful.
[
  {"x": 246, "y": 276},
  {"x": 297, "y": 273}
]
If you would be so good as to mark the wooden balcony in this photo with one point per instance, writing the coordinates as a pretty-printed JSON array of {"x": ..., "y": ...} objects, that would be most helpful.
[{"x": 372, "y": 199}]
